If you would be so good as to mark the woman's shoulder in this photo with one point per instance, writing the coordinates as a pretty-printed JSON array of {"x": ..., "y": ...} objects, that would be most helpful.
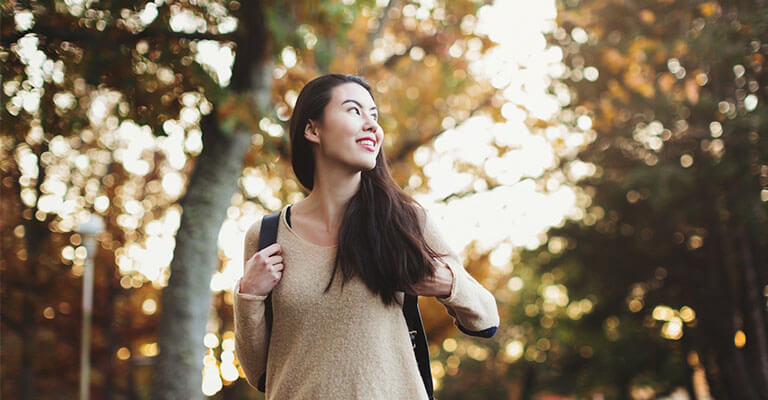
[
  {"x": 252, "y": 236},
  {"x": 427, "y": 220},
  {"x": 253, "y": 232},
  {"x": 422, "y": 214}
]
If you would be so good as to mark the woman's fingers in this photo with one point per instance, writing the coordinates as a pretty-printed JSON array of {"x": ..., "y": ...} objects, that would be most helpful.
[
  {"x": 263, "y": 270},
  {"x": 266, "y": 253},
  {"x": 273, "y": 248},
  {"x": 277, "y": 267},
  {"x": 274, "y": 259}
]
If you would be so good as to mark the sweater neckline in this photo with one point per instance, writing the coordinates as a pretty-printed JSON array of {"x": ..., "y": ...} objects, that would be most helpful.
[{"x": 284, "y": 222}]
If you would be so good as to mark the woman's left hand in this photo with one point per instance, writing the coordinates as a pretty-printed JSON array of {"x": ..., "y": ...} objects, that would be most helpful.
[{"x": 438, "y": 285}]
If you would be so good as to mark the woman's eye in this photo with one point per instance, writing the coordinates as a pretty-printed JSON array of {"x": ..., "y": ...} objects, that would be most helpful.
[{"x": 355, "y": 110}]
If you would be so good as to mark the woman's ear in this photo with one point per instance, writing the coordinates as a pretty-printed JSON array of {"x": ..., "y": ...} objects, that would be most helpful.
[{"x": 310, "y": 132}]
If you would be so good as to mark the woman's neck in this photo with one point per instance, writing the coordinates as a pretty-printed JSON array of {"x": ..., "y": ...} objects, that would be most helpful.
[{"x": 329, "y": 198}]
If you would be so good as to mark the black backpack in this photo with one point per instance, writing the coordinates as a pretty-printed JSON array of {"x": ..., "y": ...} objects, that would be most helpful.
[{"x": 268, "y": 235}]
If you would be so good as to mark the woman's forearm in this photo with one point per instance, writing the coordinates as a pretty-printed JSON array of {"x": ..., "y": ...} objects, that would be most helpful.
[{"x": 251, "y": 334}]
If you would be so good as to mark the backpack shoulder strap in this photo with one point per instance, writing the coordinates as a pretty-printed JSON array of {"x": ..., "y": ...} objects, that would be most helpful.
[
  {"x": 419, "y": 337},
  {"x": 267, "y": 236},
  {"x": 268, "y": 232}
]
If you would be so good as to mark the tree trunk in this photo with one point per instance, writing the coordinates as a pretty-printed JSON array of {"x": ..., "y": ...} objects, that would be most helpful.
[
  {"x": 726, "y": 315},
  {"x": 689, "y": 370},
  {"x": 528, "y": 382},
  {"x": 714, "y": 376},
  {"x": 754, "y": 311},
  {"x": 186, "y": 301},
  {"x": 733, "y": 367}
]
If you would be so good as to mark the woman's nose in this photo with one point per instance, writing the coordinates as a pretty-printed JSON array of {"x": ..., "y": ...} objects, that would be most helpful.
[{"x": 370, "y": 124}]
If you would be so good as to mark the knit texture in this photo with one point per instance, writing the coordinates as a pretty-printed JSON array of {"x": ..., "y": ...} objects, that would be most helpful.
[{"x": 341, "y": 344}]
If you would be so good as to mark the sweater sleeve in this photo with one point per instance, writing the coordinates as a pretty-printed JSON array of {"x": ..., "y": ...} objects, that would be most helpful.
[
  {"x": 251, "y": 334},
  {"x": 471, "y": 305}
]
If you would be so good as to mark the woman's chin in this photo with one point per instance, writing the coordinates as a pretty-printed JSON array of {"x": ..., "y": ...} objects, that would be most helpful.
[
  {"x": 367, "y": 166},
  {"x": 372, "y": 165}
]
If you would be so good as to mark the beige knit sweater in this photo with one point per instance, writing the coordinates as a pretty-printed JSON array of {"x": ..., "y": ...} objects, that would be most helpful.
[{"x": 340, "y": 345}]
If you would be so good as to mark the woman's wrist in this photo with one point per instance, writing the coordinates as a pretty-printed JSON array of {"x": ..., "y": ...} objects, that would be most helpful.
[{"x": 247, "y": 290}]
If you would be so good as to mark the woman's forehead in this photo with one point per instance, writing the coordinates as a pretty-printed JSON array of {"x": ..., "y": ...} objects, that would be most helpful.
[{"x": 352, "y": 91}]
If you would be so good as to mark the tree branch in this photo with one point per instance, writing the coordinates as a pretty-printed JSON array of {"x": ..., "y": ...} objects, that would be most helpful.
[
  {"x": 362, "y": 59},
  {"x": 411, "y": 145}
]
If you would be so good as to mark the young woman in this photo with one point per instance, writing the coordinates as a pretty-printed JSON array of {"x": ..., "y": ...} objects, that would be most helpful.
[{"x": 345, "y": 255}]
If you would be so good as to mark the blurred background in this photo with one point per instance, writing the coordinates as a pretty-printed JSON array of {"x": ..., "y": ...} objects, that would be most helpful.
[{"x": 600, "y": 165}]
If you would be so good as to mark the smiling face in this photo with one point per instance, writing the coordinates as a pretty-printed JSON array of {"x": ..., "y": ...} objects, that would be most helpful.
[{"x": 348, "y": 118}]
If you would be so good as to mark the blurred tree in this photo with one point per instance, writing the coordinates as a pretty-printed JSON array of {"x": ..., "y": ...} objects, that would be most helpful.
[
  {"x": 82, "y": 77},
  {"x": 675, "y": 231},
  {"x": 659, "y": 283}
]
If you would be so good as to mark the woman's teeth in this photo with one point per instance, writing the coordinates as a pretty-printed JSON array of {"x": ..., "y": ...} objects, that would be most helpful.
[{"x": 367, "y": 143}]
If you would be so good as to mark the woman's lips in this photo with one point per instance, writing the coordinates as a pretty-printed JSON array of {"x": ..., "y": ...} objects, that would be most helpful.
[{"x": 367, "y": 145}]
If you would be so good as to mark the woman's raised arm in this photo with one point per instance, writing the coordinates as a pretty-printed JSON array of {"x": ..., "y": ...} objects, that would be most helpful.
[
  {"x": 251, "y": 335},
  {"x": 471, "y": 305}
]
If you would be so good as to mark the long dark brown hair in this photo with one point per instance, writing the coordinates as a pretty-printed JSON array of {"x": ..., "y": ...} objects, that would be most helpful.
[{"x": 380, "y": 238}]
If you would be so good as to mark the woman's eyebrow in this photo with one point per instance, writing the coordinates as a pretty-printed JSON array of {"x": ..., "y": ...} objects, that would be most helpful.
[{"x": 356, "y": 102}]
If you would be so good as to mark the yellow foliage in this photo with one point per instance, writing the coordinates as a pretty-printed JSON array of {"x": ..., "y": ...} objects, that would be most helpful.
[
  {"x": 607, "y": 113},
  {"x": 617, "y": 91},
  {"x": 614, "y": 60},
  {"x": 692, "y": 90},
  {"x": 680, "y": 48},
  {"x": 597, "y": 31},
  {"x": 647, "y": 16},
  {"x": 638, "y": 50},
  {"x": 666, "y": 81},
  {"x": 709, "y": 8},
  {"x": 660, "y": 55},
  {"x": 640, "y": 79}
]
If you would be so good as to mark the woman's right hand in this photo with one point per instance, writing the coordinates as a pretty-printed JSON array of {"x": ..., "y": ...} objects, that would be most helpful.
[{"x": 262, "y": 271}]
